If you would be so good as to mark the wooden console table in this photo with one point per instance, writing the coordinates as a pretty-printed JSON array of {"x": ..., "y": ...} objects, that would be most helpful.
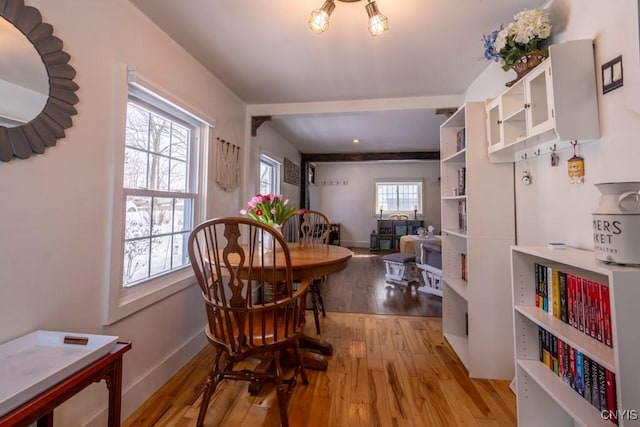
[{"x": 40, "y": 408}]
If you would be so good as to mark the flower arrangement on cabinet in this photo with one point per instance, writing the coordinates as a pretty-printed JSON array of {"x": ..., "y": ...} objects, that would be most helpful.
[
  {"x": 270, "y": 209},
  {"x": 527, "y": 33}
]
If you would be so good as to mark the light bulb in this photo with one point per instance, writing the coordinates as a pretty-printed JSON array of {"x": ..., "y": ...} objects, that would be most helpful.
[
  {"x": 319, "y": 19},
  {"x": 378, "y": 23}
]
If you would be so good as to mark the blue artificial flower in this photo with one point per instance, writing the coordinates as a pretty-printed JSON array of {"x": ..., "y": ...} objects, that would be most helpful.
[{"x": 489, "y": 50}]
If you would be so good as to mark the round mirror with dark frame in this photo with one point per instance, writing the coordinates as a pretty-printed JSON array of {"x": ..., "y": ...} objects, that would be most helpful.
[{"x": 21, "y": 139}]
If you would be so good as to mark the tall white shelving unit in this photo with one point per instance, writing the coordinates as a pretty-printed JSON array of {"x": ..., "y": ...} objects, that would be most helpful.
[
  {"x": 476, "y": 312},
  {"x": 543, "y": 399}
]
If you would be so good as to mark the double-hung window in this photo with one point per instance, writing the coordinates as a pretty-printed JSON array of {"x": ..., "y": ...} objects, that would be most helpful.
[
  {"x": 269, "y": 175},
  {"x": 161, "y": 202},
  {"x": 398, "y": 196}
]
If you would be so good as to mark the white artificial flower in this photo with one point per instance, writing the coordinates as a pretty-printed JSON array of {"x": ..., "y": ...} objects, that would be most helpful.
[
  {"x": 501, "y": 38},
  {"x": 530, "y": 24}
]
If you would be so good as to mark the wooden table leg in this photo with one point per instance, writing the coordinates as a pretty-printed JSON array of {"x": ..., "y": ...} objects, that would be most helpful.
[
  {"x": 265, "y": 364},
  {"x": 113, "y": 378},
  {"x": 310, "y": 343}
]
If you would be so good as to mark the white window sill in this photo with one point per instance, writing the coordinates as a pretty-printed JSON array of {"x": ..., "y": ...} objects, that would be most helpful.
[{"x": 133, "y": 299}]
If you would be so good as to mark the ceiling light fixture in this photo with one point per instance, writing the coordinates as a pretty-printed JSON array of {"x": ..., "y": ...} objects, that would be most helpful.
[{"x": 319, "y": 19}]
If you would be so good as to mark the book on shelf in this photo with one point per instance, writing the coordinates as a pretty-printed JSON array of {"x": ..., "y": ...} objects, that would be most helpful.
[
  {"x": 461, "y": 139},
  {"x": 588, "y": 378},
  {"x": 610, "y": 396},
  {"x": 565, "y": 374},
  {"x": 579, "y": 373},
  {"x": 602, "y": 388},
  {"x": 462, "y": 215},
  {"x": 572, "y": 368},
  {"x": 580, "y": 302},
  {"x": 555, "y": 286},
  {"x": 562, "y": 281},
  {"x": 462, "y": 172},
  {"x": 605, "y": 310},
  {"x": 586, "y": 366},
  {"x": 580, "y": 293},
  {"x": 595, "y": 394}
]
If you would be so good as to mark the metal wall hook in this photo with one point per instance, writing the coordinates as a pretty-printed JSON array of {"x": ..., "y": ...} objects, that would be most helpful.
[{"x": 524, "y": 156}]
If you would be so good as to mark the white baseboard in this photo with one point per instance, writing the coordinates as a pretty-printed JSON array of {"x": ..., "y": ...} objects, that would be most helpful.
[
  {"x": 354, "y": 244},
  {"x": 138, "y": 392}
]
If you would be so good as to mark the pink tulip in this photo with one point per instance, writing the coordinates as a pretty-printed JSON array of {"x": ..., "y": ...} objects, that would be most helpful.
[{"x": 243, "y": 211}]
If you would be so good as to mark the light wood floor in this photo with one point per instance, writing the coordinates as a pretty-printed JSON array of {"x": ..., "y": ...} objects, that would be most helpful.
[{"x": 386, "y": 371}]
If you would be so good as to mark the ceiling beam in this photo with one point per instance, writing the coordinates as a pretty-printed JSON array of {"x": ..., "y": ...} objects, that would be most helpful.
[
  {"x": 367, "y": 157},
  {"x": 256, "y": 121},
  {"x": 446, "y": 111}
]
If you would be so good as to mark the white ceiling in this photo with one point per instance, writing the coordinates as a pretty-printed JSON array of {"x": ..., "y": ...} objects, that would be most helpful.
[{"x": 265, "y": 53}]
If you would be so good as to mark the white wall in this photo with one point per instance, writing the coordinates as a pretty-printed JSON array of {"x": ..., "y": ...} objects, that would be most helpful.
[
  {"x": 54, "y": 220},
  {"x": 552, "y": 209},
  {"x": 352, "y": 205},
  {"x": 269, "y": 142}
]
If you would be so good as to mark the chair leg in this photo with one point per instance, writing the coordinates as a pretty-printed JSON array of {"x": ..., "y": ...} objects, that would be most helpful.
[
  {"x": 215, "y": 376},
  {"x": 281, "y": 389}
]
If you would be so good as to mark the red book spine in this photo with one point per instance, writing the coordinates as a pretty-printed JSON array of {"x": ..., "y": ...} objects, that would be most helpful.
[
  {"x": 598, "y": 308},
  {"x": 606, "y": 315},
  {"x": 560, "y": 358},
  {"x": 593, "y": 300},
  {"x": 572, "y": 367},
  {"x": 586, "y": 304},
  {"x": 611, "y": 395}
]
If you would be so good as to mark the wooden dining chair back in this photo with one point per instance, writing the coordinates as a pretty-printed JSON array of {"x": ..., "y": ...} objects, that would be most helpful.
[
  {"x": 251, "y": 305},
  {"x": 314, "y": 228}
]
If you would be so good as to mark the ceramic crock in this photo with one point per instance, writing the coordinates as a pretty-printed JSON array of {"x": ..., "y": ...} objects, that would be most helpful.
[{"x": 616, "y": 223}]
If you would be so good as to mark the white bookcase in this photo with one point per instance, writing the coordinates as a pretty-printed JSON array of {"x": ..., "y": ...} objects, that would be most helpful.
[
  {"x": 476, "y": 310},
  {"x": 542, "y": 397}
]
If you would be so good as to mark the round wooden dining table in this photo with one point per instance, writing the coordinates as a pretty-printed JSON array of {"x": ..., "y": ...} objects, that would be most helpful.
[
  {"x": 313, "y": 260},
  {"x": 308, "y": 261}
]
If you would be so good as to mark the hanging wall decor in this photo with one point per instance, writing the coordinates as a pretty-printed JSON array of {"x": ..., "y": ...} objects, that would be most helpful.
[
  {"x": 291, "y": 172},
  {"x": 227, "y": 165},
  {"x": 575, "y": 166}
]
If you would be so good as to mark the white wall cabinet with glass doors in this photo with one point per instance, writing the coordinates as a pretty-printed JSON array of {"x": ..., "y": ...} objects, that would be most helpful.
[
  {"x": 555, "y": 103},
  {"x": 477, "y": 231}
]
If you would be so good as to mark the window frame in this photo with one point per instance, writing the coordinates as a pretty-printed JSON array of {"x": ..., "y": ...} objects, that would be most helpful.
[
  {"x": 277, "y": 166},
  {"x": 121, "y": 301},
  {"x": 397, "y": 182}
]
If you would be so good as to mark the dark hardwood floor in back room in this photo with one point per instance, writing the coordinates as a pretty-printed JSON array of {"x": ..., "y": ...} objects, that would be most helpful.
[{"x": 361, "y": 288}]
